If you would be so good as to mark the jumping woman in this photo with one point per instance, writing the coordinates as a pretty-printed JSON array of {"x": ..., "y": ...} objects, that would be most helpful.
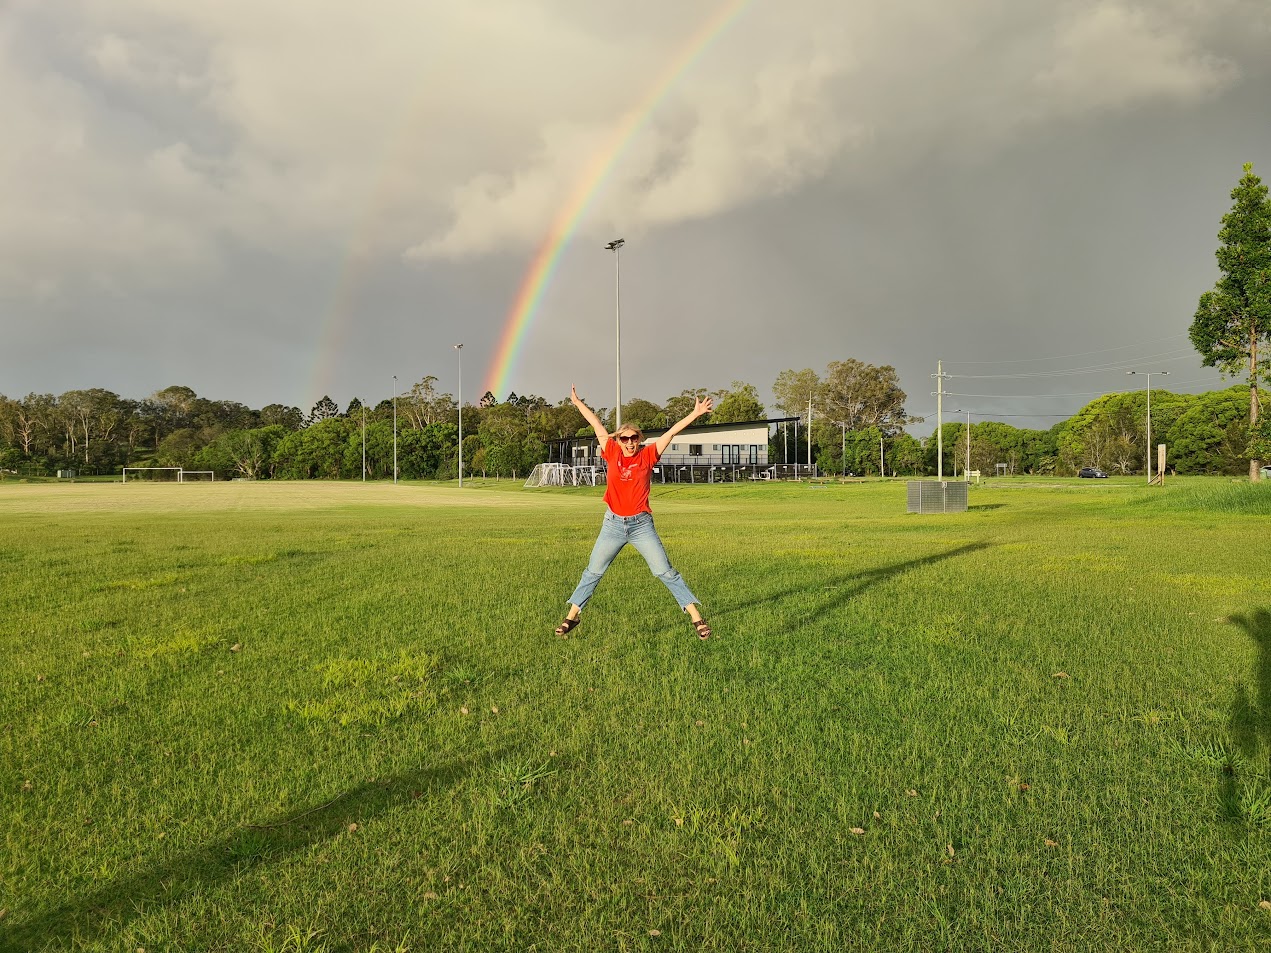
[{"x": 628, "y": 518}]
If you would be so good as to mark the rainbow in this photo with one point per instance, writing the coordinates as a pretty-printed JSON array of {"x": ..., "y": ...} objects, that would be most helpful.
[{"x": 543, "y": 265}]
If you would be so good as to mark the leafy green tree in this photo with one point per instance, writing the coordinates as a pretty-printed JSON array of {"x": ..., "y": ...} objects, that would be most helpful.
[
  {"x": 861, "y": 395},
  {"x": 324, "y": 409},
  {"x": 643, "y": 414},
  {"x": 1232, "y": 326},
  {"x": 315, "y": 452},
  {"x": 904, "y": 455},
  {"x": 736, "y": 403},
  {"x": 793, "y": 388},
  {"x": 682, "y": 404},
  {"x": 243, "y": 453},
  {"x": 290, "y": 418},
  {"x": 1212, "y": 435},
  {"x": 424, "y": 406}
]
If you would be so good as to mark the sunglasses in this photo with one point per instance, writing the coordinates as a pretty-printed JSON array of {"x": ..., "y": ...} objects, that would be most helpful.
[{"x": 630, "y": 438}]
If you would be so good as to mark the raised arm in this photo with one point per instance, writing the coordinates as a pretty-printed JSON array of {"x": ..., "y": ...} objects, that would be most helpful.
[
  {"x": 602, "y": 435},
  {"x": 703, "y": 406}
]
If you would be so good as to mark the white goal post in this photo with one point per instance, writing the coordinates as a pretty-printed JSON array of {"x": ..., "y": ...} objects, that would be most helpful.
[
  {"x": 561, "y": 474},
  {"x": 153, "y": 474},
  {"x": 196, "y": 476}
]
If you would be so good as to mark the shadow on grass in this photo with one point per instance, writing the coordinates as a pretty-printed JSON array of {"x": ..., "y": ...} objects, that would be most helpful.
[
  {"x": 1250, "y": 719},
  {"x": 846, "y": 587},
  {"x": 986, "y": 506},
  {"x": 86, "y": 919}
]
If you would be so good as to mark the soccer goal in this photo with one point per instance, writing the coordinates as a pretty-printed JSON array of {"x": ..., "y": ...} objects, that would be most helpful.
[
  {"x": 196, "y": 476},
  {"x": 561, "y": 474},
  {"x": 152, "y": 474}
]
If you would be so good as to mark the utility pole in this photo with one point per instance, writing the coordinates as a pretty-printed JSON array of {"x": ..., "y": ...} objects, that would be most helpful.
[
  {"x": 394, "y": 429},
  {"x": 939, "y": 396},
  {"x": 364, "y": 443}
]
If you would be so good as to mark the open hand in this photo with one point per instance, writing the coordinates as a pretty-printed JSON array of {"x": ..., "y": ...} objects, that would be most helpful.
[
  {"x": 573, "y": 395},
  {"x": 703, "y": 406}
]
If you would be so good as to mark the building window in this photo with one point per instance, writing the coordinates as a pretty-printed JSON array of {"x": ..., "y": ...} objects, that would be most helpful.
[
  {"x": 715, "y": 446},
  {"x": 694, "y": 449},
  {"x": 754, "y": 453},
  {"x": 675, "y": 446}
]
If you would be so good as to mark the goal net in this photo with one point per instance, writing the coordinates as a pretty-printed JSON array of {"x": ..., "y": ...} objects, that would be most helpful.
[
  {"x": 152, "y": 474},
  {"x": 561, "y": 474},
  {"x": 196, "y": 476}
]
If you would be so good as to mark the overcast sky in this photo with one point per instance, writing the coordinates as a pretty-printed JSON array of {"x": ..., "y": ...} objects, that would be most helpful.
[{"x": 272, "y": 200}]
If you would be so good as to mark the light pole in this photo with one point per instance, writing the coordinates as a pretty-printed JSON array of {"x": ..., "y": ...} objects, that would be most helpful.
[
  {"x": 809, "y": 434},
  {"x": 844, "y": 426},
  {"x": 459, "y": 353},
  {"x": 364, "y": 443},
  {"x": 1148, "y": 375},
  {"x": 615, "y": 246},
  {"x": 394, "y": 429}
]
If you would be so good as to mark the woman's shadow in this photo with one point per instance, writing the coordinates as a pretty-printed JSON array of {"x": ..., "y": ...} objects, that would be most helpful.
[
  {"x": 1250, "y": 719},
  {"x": 88, "y": 918}
]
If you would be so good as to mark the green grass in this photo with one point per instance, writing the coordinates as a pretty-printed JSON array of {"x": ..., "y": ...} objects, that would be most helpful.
[{"x": 333, "y": 717}]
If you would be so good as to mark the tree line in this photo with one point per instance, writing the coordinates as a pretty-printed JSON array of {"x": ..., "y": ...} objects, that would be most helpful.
[{"x": 858, "y": 427}]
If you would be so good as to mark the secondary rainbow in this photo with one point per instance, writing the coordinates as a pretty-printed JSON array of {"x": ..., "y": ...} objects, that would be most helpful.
[{"x": 543, "y": 265}]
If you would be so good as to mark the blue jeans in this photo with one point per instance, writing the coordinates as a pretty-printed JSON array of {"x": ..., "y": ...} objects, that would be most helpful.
[{"x": 616, "y": 532}]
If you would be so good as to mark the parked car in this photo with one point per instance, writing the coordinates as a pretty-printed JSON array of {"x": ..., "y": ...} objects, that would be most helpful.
[
  {"x": 1265, "y": 471},
  {"x": 1092, "y": 473}
]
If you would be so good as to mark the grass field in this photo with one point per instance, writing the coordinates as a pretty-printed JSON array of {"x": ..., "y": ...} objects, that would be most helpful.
[{"x": 334, "y": 717}]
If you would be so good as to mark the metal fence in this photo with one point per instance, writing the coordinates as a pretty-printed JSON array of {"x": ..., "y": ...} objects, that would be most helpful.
[{"x": 937, "y": 496}]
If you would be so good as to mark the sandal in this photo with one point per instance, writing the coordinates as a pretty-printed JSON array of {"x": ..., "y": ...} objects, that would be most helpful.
[
  {"x": 703, "y": 629},
  {"x": 567, "y": 626}
]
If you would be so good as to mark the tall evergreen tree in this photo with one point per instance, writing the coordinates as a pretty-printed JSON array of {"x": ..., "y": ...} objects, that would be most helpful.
[{"x": 1232, "y": 327}]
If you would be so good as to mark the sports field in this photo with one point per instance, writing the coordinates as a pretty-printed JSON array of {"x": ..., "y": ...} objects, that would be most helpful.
[{"x": 334, "y": 717}]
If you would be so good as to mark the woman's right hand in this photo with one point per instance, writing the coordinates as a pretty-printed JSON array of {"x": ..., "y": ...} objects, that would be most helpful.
[{"x": 573, "y": 395}]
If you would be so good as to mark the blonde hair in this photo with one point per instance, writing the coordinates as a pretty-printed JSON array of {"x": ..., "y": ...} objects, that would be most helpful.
[{"x": 628, "y": 428}]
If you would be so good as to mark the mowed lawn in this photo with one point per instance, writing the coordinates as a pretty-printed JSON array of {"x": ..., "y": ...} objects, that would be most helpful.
[{"x": 334, "y": 717}]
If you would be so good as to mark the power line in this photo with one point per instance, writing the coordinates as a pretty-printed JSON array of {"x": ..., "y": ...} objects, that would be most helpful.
[
  {"x": 1065, "y": 357},
  {"x": 1091, "y": 369}
]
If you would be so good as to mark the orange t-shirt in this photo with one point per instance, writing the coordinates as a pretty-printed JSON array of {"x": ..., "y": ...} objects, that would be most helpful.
[{"x": 627, "y": 489}]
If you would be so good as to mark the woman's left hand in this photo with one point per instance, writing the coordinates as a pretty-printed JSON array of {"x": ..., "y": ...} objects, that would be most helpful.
[{"x": 703, "y": 406}]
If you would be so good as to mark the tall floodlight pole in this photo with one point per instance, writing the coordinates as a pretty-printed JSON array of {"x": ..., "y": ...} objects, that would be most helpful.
[
  {"x": 1148, "y": 375},
  {"x": 615, "y": 246},
  {"x": 459, "y": 352},
  {"x": 844, "y": 425},
  {"x": 394, "y": 429},
  {"x": 364, "y": 443}
]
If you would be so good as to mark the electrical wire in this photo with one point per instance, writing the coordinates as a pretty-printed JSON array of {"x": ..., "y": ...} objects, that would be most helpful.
[
  {"x": 1092, "y": 369},
  {"x": 1065, "y": 357}
]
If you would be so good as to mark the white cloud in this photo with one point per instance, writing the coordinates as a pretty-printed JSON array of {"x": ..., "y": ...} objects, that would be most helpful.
[
  {"x": 142, "y": 136},
  {"x": 1113, "y": 55}
]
